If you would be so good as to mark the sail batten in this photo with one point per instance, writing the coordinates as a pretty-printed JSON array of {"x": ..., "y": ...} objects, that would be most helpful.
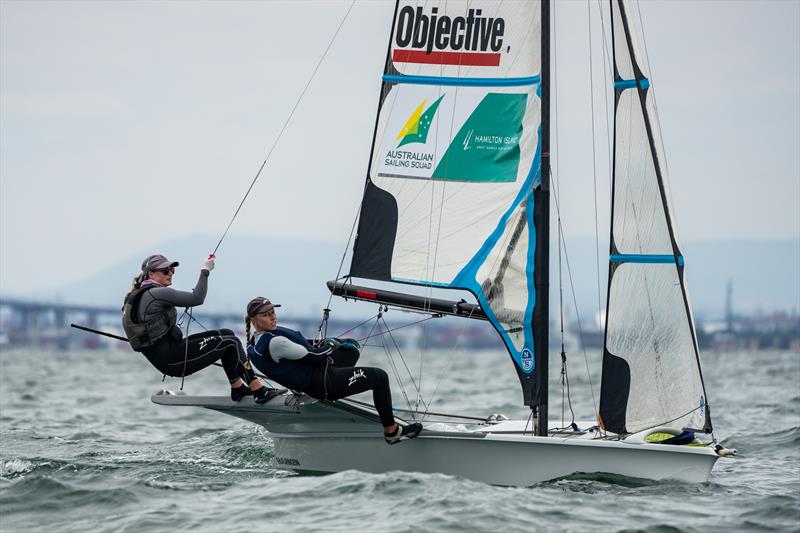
[{"x": 462, "y": 82}]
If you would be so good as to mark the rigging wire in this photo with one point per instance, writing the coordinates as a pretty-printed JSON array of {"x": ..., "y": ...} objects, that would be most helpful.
[
  {"x": 607, "y": 67},
  {"x": 285, "y": 124},
  {"x": 560, "y": 233},
  {"x": 562, "y": 240},
  {"x": 449, "y": 365},
  {"x": 594, "y": 166},
  {"x": 371, "y": 336},
  {"x": 393, "y": 365},
  {"x": 402, "y": 359},
  {"x": 575, "y": 302}
]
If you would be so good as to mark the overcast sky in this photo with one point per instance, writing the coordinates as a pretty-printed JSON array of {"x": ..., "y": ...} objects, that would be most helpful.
[{"x": 126, "y": 124}]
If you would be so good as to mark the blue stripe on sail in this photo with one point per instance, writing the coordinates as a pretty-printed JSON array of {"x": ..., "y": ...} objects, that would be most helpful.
[
  {"x": 466, "y": 278},
  {"x": 630, "y": 84},
  {"x": 421, "y": 282},
  {"x": 462, "y": 82},
  {"x": 645, "y": 258}
]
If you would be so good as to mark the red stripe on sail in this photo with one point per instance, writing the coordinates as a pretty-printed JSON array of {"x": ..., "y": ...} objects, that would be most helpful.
[{"x": 464, "y": 59}]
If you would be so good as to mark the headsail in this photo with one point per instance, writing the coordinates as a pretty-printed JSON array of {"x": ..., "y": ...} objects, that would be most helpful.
[
  {"x": 651, "y": 366},
  {"x": 456, "y": 158}
]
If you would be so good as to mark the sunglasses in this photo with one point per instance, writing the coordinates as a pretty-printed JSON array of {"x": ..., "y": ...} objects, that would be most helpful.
[{"x": 166, "y": 271}]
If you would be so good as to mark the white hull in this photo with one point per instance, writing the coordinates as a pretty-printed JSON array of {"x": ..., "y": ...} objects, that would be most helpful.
[{"x": 331, "y": 437}]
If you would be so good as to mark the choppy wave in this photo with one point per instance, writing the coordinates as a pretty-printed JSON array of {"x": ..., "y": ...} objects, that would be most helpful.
[{"x": 72, "y": 460}]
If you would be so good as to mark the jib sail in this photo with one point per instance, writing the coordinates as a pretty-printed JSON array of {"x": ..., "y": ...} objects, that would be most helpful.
[{"x": 651, "y": 367}]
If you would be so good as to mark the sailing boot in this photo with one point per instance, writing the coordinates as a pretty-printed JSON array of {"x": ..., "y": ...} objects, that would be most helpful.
[
  {"x": 403, "y": 433},
  {"x": 240, "y": 392},
  {"x": 265, "y": 394}
]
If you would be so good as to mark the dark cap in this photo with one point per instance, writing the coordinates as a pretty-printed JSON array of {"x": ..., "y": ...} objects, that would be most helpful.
[
  {"x": 157, "y": 262},
  {"x": 260, "y": 305}
]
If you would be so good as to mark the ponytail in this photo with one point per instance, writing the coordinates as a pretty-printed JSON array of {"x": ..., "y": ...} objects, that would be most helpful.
[{"x": 137, "y": 283}]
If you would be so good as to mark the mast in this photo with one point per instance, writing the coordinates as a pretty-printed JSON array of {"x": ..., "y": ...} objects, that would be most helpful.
[{"x": 541, "y": 314}]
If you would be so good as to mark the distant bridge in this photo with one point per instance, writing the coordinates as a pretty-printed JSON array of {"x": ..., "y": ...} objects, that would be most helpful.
[{"x": 36, "y": 323}]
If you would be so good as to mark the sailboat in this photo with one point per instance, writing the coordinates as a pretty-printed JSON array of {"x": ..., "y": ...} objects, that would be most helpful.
[{"x": 457, "y": 197}]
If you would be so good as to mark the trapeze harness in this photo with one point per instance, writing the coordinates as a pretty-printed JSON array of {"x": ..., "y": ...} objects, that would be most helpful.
[{"x": 146, "y": 334}]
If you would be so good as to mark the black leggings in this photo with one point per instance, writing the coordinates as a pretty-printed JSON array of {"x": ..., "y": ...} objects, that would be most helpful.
[
  {"x": 332, "y": 382},
  {"x": 170, "y": 355}
]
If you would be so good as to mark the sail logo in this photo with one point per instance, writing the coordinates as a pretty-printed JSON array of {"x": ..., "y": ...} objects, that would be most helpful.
[
  {"x": 527, "y": 360},
  {"x": 473, "y": 40},
  {"x": 418, "y": 124},
  {"x": 467, "y": 139}
]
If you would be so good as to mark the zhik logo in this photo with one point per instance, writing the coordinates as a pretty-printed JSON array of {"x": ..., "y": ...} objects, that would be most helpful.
[{"x": 356, "y": 374}]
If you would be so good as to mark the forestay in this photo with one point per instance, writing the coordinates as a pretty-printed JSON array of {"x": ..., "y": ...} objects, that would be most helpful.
[
  {"x": 651, "y": 368},
  {"x": 456, "y": 158}
]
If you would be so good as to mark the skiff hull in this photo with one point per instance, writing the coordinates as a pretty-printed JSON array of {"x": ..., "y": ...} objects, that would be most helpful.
[{"x": 314, "y": 436}]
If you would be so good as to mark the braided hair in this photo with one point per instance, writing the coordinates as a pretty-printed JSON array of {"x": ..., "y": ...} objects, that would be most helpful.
[{"x": 247, "y": 326}]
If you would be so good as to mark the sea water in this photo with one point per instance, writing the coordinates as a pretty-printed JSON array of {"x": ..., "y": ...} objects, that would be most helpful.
[{"x": 82, "y": 448}]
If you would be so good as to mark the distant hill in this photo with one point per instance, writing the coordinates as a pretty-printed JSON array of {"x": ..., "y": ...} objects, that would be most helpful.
[{"x": 765, "y": 275}]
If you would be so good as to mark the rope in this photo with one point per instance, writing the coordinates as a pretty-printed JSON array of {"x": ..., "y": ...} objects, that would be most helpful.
[
  {"x": 188, "y": 311},
  {"x": 389, "y": 331},
  {"x": 403, "y": 360},
  {"x": 554, "y": 179},
  {"x": 574, "y": 299},
  {"x": 356, "y": 327},
  {"x": 392, "y": 363},
  {"x": 444, "y": 415},
  {"x": 285, "y": 124}
]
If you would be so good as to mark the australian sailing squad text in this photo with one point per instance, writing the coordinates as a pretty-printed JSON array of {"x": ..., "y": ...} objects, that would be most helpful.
[
  {"x": 401, "y": 158},
  {"x": 471, "y": 33}
]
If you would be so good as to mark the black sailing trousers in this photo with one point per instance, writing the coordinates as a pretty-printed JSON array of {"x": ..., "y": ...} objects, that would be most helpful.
[
  {"x": 182, "y": 357},
  {"x": 341, "y": 379}
]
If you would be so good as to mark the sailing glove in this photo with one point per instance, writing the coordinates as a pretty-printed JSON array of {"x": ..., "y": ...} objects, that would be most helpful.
[
  {"x": 350, "y": 344},
  {"x": 208, "y": 264}
]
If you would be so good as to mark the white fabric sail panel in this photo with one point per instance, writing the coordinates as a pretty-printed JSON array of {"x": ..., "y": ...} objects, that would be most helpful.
[
  {"x": 471, "y": 39},
  {"x": 661, "y": 159},
  {"x": 621, "y": 50},
  {"x": 454, "y": 159},
  {"x": 640, "y": 223},
  {"x": 647, "y": 326},
  {"x": 504, "y": 279}
]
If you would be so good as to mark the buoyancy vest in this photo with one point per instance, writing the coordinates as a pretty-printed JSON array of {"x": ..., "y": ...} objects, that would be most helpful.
[
  {"x": 143, "y": 335},
  {"x": 290, "y": 373}
]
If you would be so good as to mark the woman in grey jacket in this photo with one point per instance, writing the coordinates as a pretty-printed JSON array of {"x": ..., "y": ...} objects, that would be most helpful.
[{"x": 149, "y": 320}]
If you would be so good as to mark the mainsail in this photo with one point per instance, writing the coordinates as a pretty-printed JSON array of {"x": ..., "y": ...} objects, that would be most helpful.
[
  {"x": 456, "y": 163},
  {"x": 651, "y": 367}
]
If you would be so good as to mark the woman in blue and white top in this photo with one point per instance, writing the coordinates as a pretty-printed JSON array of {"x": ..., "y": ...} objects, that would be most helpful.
[{"x": 326, "y": 372}]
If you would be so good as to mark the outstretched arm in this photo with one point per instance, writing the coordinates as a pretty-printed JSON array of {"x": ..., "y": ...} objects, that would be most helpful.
[{"x": 184, "y": 298}]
